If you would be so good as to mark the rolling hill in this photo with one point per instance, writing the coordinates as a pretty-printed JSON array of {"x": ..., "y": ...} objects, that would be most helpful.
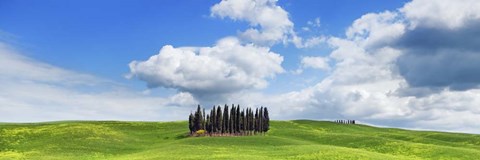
[{"x": 298, "y": 139}]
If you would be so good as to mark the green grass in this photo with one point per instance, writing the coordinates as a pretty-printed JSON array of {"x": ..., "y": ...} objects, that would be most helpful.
[{"x": 300, "y": 139}]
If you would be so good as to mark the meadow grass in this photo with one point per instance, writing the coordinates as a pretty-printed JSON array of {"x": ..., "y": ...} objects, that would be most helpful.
[{"x": 298, "y": 139}]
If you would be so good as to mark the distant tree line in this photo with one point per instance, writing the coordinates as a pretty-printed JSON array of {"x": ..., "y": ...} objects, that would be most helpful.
[
  {"x": 233, "y": 121},
  {"x": 345, "y": 121}
]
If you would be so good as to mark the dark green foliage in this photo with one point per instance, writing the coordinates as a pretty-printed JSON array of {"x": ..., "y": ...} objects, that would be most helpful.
[
  {"x": 225, "y": 119},
  {"x": 256, "y": 120},
  {"x": 229, "y": 122},
  {"x": 219, "y": 120},
  {"x": 197, "y": 119},
  {"x": 232, "y": 120},
  {"x": 213, "y": 119},
  {"x": 242, "y": 121},
  {"x": 345, "y": 121},
  {"x": 208, "y": 124},
  {"x": 203, "y": 119},
  {"x": 190, "y": 123},
  {"x": 266, "y": 125}
]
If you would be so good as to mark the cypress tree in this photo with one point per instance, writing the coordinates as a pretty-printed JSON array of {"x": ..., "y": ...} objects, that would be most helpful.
[
  {"x": 213, "y": 118},
  {"x": 267, "y": 120},
  {"x": 219, "y": 119},
  {"x": 242, "y": 121},
  {"x": 197, "y": 120},
  {"x": 208, "y": 126},
  {"x": 256, "y": 120},
  {"x": 260, "y": 114},
  {"x": 232, "y": 120},
  {"x": 203, "y": 119},
  {"x": 252, "y": 121},
  {"x": 247, "y": 121},
  {"x": 190, "y": 123},
  {"x": 225, "y": 119},
  {"x": 237, "y": 120}
]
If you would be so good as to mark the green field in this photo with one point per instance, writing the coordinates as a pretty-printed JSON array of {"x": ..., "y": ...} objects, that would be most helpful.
[{"x": 299, "y": 139}]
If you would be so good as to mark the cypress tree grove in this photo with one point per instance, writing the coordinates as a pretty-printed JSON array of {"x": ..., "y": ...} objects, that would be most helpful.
[{"x": 235, "y": 121}]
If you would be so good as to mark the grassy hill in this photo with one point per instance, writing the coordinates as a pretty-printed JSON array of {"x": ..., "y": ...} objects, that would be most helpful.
[{"x": 299, "y": 139}]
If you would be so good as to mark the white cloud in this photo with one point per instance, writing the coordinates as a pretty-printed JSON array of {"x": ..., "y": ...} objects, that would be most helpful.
[
  {"x": 314, "y": 62},
  {"x": 312, "y": 42},
  {"x": 36, "y": 91},
  {"x": 16, "y": 66},
  {"x": 305, "y": 28},
  {"x": 314, "y": 23},
  {"x": 441, "y": 13},
  {"x": 270, "y": 22},
  {"x": 224, "y": 68},
  {"x": 376, "y": 29},
  {"x": 364, "y": 83}
]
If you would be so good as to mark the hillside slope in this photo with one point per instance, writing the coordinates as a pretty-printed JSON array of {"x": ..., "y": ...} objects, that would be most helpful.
[{"x": 299, "y": 139}]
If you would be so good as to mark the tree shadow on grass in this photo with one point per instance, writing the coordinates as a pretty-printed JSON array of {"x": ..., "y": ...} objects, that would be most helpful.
[{"x": 182, "y": 136}]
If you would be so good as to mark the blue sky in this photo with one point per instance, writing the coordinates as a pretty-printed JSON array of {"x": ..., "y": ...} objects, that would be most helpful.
[
  {"x": 102, "y": 37},
  {"x": 376, "y": 61}
]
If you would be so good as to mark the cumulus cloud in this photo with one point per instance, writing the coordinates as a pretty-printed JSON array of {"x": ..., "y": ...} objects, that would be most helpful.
[
  {"x": 442, "y": 14},
  {"x": 376, "y": 29},
  {"x": 399, "y": 68},
  {"x": 210, "y": 71},
  {"x": 270, "y": 22},
  {"x": 441, "y": 57},
  {"x": 34, "y": 91},
  {"x": 315, "y": 62}
]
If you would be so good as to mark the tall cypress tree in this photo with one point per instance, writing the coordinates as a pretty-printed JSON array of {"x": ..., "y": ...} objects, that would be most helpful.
[
  {"x": 247, "y": 121},
  {"x": 213, "y": 118},
  {"x": 260, "y": 119},
  {"x": 256, "y": 119},
  {"x": 253, "y": 120},
  {"x": 219, "y": 119},
  {"x": 197, "y": 120},
  {"x": 242, "y": 121},
  {"x": 247, "y": 117},
  {"x": 208, "y": 126},
  {"x": 190, "y": 123},
  {"x": 237, "y": 119},
  {"x": 203, "y": 119},
  {"x": 232, "y": 120},
  {"x": 267, "y": 120},
  {"x": 225, "y": 119}
]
